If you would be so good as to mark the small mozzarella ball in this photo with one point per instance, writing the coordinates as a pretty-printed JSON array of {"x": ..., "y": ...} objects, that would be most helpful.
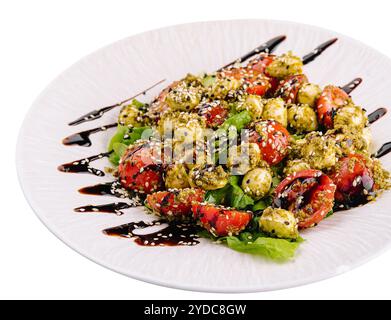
[
  {"x": 222, "y": 86},
  {"x": 275, "y": 109},
  {"x": 279, "y": 223},
  {"x": 257, "y": 183},
  {"x": 302, "y": 118},
  {"x": 348, "y": 141},
  {"x": 309, "y": 94},
  {"x": 294, "y": 166},
  {"x": 254, "y": 105},
  {"x": 130, "y": 115},
  {"x": 208, "y": 177},
  {"x": 351, "y": 116},
  {"x": 319, "y": 151},
  {"x": 177, "y": 177},
  {"x": 183, "y": 97},
  {"x": 242, "y": 159},
  {"x": 285, "y": 65},
  {"x": 182, "y": 126}
]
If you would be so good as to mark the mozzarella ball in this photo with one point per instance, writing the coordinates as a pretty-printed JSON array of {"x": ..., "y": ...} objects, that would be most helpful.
[
  {"x": 351, "y": 116},
  {"x": 294, "y": 166},
  {"x": 302, "y": 118},
  {"x": 309, "y": 94},
  {"x": 279, "y": 223},
  {"x": 243, "y": 158},
  {"x": 319, "y": 151},
  {"x": 182, "y": 126},
  {"x": 176, "y": 177},
  {"x": 131, "y": 116},
  {"x": 183, "y": 97},
  {"x": 222, "y": 86},
  {"x": 254, "y": 105},
  {"x": 275, "y": 109},
  {"x": 208, "y": 177},
  {"x": 257, "y": 183},
  {"x": 285, "y": 65}
]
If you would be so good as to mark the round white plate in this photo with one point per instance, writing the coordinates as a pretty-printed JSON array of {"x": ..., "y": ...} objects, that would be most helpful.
[{"x": 114, "y": 73}]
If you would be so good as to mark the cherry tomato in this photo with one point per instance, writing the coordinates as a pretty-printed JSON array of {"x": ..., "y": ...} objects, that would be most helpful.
[
  {"x": 159, "y": 106},
  {"x": 221, "y": 221},
  {"x": 289, "y": 88},
  {"x": 330, "y": 100},
  {"x": 274, "y": 83},
  {"x": 259, "y": 86},
  {"x": 177, "y": 204},
  {"x": 309, "y": 194},
  {"x": 272, "y": 139},
  {"x": 354, "y": 180},
  {"x": 139, "y": 169},
  {"x": 253, "y": 75},
  {"x": 259, "y": 65},
  {"x": 214, "y": 114}
]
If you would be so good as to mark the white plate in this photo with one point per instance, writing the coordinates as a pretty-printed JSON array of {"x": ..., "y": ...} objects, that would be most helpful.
[{"x": 113, "y": 73}]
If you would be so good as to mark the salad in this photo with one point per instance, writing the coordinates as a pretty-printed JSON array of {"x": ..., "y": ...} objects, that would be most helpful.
[{"x": 247, "y": 156}]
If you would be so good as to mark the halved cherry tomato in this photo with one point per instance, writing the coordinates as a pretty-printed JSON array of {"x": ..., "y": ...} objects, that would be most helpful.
[
  {"x": 274, "y": 84},
  {"x": 159, "y": 106},
  {"x": 354, "y": 180},
  {"x": 214, "y": 114},
  {"x": 309, "y": 194},
  {"x": 330, "y": 100},
  {"x": 289, "y": 88},
  {"x": 176, "y": 204},
  {"x": 260, "y": 64},
  {"x": 273, "y": 140},
  {"x": 253, "y": 75},
  {"x": 139, "y": 169},
  {"x": 258, "y": 86},
  {"x": 221, "y": 221}
]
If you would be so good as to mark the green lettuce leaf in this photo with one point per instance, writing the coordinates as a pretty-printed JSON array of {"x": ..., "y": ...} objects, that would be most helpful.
[
  {"x": 239, "y": 121},
  {"x": 238, "y": 199},
  {"x": 272, "y": 248},
  {"x": 124, "y": 137},
  {"x": 231, "y": 195},
  {"x": 217, "y": 196},
  {"x": 259, "y": 244}
]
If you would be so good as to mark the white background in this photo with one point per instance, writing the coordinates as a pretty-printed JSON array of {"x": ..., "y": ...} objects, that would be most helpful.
[{"x": 39, "y": 39}]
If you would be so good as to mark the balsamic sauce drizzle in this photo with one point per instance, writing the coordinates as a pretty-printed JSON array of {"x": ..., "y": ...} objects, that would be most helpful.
[
  {"x": 83, "y": 165},
  {"x": 175, "y": 234},
  {"x": 384, "y": 150},
  {"x": 266, "y": 47},
  {"x": 318, "y": 51},
  {"x": 115, "y": 208},
  {"x": 113, "y": 188},
  {"x": 83, "y": 138},
  {"x": 96, "y": 114},
  {"x": 376, "y": 115},
  {"x": 348, "y": 88}
]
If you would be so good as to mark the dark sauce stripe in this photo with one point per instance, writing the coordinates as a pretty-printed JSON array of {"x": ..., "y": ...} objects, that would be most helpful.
[
  {"x": 83, "y": 138},
  {"x": 384, "y": 150},
  {"x": 376, "y": 115},
  {"x": 96, "y": 114},
  {"x": 266, "y": 47},
  {"x": 113, "y": 188},
  {"x": 352, "y": 85},
  {"x": 107, "y": 208},
  {"x": 175, "y": 234},
  {"x": 318, "y": 51},
  {"x": 83, "y": 165}
]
